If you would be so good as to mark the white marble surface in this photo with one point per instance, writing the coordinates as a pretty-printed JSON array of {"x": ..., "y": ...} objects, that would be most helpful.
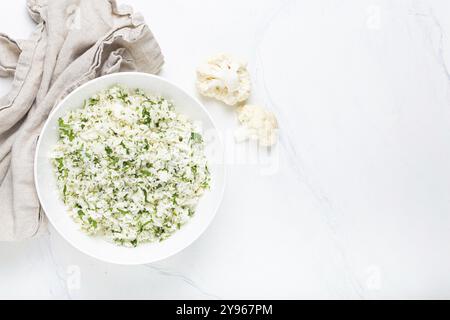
[{"x": 355, "y": 202}]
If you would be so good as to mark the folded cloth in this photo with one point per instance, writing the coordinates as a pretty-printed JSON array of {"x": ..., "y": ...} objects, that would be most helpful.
[{"x": 75, "y": 41}]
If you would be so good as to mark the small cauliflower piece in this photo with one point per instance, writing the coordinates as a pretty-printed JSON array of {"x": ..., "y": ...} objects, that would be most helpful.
[
  {"x": 224, "y": 78},
  {"x": 257, "y": 123}
]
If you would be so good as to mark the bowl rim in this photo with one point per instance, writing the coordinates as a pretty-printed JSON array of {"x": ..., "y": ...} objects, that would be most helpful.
[{"x": 223, "y": 168}]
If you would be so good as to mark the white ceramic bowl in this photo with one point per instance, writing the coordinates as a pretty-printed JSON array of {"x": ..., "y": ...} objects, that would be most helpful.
[{"x": 97, "y": 247}]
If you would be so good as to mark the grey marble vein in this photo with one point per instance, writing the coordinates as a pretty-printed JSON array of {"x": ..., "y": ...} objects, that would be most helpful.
[{"x": 177, "y": 275}]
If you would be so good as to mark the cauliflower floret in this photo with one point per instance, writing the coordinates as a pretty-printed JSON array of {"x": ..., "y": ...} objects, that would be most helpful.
[
  {"x": 224, "y": 78},
  {"x": 257, "y": 124}
]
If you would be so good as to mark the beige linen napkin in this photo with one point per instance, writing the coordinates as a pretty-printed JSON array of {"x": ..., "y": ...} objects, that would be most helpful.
[{"x": 75, "y": 41}]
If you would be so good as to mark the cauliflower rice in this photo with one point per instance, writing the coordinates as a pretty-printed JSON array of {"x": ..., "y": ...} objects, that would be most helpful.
[{"x": 129, "y": 167}]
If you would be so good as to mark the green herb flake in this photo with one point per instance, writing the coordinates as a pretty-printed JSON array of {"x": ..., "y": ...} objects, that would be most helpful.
[
  {"x": 92, "y": 222},
  {"x": 196, "y": 137},
  {"x": 65, "y": 130},
  {"x": 122, "y": 211},
  {"x": 108, "y": 150}
]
